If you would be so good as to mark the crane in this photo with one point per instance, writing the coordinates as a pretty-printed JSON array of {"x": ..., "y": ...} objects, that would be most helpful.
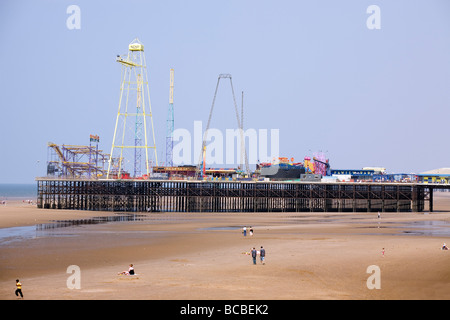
[{"x": 201, "y": 163}]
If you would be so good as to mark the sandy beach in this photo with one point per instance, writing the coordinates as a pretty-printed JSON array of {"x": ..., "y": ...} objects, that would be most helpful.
[{"x": 179, "y": 256}]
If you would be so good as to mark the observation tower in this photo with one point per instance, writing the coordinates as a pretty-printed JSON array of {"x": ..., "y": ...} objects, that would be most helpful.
[{"x": 130, "y": 144}]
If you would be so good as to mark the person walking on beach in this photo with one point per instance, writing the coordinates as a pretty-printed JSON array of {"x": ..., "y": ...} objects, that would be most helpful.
[
  {"x": 262, "y": 255},
  {"x": 18, "y": 289},
  {"x": 254, "y": 255},
  {"x": 244, "y": 231}
]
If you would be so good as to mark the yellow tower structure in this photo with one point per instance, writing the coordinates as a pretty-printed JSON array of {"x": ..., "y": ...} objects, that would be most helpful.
[{"x": 130, "y": 132}]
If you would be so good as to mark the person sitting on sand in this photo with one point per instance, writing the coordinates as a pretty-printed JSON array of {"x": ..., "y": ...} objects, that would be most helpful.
[
  {"x": 130, "y": 271},
  {"x": 444, "y": 247}
]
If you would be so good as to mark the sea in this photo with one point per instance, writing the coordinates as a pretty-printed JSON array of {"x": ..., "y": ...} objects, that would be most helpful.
[{"x": 18, "y": 191}]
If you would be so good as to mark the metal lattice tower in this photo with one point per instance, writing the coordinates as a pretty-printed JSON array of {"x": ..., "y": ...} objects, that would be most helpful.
[
  {"x": 170, "y": 125},
  {"x": 130, "y": 137},
  {"x": 138, "y": 130}
]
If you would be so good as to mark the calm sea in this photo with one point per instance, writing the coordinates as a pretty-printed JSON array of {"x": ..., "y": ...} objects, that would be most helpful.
[{"x": 25, "y": 191}]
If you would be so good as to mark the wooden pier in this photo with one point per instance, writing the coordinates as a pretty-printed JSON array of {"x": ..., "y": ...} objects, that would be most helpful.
[{"x": 230, "y": 196}]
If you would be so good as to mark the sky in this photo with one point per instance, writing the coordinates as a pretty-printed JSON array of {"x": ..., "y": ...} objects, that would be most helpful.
[{"x": 314, "y": 70}]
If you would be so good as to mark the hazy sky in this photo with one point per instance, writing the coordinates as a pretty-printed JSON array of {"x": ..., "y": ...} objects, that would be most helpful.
[{"x": 312, "y": 69}]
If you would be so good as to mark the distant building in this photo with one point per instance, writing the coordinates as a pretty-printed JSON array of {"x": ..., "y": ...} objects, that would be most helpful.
[
  {"x": 441, "y": 175},
  {"x": 352, "y": 174}
]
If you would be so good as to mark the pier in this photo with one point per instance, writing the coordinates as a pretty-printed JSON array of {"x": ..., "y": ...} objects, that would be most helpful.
[{"x": 232, "y": 196}]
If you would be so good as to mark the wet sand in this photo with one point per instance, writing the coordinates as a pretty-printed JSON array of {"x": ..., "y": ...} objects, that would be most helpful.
[{"x": 179, "y": 256}]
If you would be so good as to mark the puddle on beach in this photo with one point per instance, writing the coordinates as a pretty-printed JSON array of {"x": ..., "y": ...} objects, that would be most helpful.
[
  {"x": 65, "y": 228},
  {"x": 55, "y": 228},
  {"x": 95, "y": 220},
  {"x": 436, "y": 228},
  {"x": 223, "y": 228}
]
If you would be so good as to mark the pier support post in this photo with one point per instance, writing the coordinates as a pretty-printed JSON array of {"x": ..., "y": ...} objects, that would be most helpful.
[
  {"x": 431, "y": 200},
  {"x": 242, "y": 196}
]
